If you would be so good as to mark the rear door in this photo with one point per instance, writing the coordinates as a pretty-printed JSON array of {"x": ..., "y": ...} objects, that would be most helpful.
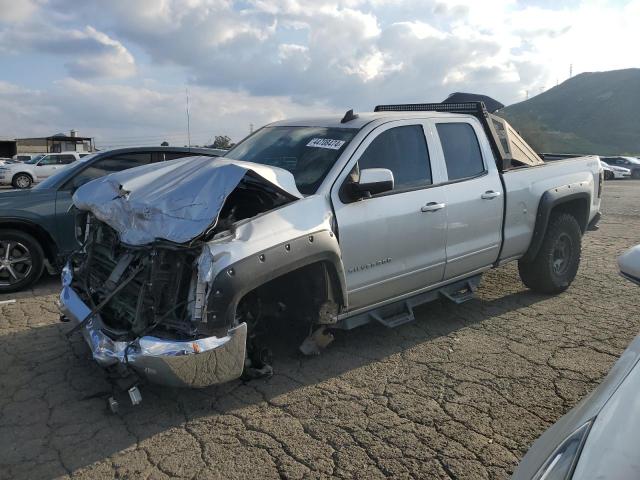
[
  {"x": 474, "y": 197},
  {"x": 65, "y": 159},
  {"x": 391, "y": 243}
]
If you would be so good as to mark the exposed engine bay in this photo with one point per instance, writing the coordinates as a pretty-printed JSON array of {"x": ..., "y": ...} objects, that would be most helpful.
[
  {"x": 158, "y": 309},
  {"x": 156, "y": 287}
]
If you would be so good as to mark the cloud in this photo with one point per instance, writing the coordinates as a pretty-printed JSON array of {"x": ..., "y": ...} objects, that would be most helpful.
[
  {"x": 16, "y": 11},
  {"x": 119, "y": 115},
  {"x": 299, "y": 55},
  {"x": 88, "y": 52}
]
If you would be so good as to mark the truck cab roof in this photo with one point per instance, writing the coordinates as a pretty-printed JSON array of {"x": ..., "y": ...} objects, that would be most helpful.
[{"x": 362, "y": 119}]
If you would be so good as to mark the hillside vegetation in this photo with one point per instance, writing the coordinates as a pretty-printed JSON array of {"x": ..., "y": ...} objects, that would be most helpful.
[{"x": 595, "y": 113}]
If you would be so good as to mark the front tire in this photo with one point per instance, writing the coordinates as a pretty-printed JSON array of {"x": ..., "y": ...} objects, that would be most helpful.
[
  {"x": 22, "y": 181},
  {"x": 21, "y": 260},
  {"x": 608, "y": 175},
  {"x": 555, "y": 266},
  {"x": 635, "y": 173}
]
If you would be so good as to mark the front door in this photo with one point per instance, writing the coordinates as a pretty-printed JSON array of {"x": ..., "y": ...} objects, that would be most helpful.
[
  {"x": 47, "y": 166},
  {"x": 394, "y": 242}
]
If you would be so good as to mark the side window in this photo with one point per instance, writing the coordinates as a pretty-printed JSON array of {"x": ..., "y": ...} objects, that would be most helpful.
[
  {"x": 49, "y": 160},
  {"x": 106, "y": 166},
  {"x": 461, "y": 150},
  {"x": 403, "y": 150},
  {"x": 66, "y": 159}
]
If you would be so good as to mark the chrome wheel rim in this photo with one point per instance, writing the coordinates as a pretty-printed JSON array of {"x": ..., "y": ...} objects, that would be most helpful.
[
  {"x": 562, "y": 251},
  {"x": 23, "y": 182},
  {"x": 15, "y": 262}
]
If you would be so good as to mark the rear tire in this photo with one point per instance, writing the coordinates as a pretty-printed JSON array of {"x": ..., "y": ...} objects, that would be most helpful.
[
  {"x": 555, "y": 266},
  {"x": 23, "y": 264},
  {"x": 22, "y": 181}
]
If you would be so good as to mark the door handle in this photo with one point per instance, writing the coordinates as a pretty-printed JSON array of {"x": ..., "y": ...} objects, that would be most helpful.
[
  {"x": 432, "y": 207},
  {"x": 489, "y": 195}
]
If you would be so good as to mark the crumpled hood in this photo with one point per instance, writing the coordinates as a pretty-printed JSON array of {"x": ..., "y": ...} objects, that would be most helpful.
[{"x": 177, "y": 200}]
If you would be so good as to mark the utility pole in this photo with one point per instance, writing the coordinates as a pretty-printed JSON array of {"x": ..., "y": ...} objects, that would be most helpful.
[
  {"x": 570, "y": 70},
  {"x": 526, "y": 94},
  {"x": 250, "y": 128},
  {"x": 186, "y": 91}
]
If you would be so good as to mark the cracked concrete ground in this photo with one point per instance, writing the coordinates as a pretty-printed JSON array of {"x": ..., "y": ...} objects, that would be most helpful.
[{"x": 460, "y": 393}]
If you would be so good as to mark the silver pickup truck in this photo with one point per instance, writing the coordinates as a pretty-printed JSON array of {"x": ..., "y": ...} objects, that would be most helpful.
[{"x": 334, "y": 222}]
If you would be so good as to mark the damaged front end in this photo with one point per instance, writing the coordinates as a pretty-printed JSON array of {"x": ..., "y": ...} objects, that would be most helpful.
[{"x": 141, "y": 304}]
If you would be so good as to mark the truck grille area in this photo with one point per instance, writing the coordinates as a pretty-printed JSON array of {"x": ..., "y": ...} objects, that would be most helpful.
[{"x": 142, "y": 288}]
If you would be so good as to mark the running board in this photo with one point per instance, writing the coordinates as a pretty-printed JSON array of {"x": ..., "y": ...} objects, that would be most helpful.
[
  {"x": 401, "y": 312},
  {"x": 396, "y": 320},
  {"x": 461, "y": 293}
]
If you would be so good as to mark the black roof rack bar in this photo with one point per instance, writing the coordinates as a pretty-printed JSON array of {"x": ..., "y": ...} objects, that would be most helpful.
[
  {"x": 471, "y": 108},
  {"x": 477, "y": 109}
]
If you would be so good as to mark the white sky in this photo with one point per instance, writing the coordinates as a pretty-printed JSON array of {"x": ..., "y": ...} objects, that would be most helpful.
[{"x": 118, "y": 70}]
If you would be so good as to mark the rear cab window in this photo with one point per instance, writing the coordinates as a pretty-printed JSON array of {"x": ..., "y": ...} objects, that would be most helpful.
[{"x": 461, "y": 150}]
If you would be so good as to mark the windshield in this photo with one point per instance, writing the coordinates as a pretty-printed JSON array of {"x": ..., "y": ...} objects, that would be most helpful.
[
  {"x": 34, "y": 159},
  {"x": 307, "y": 152}
]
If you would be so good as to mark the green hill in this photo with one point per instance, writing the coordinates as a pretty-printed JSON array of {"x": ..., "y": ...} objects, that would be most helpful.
[{"x": 595, "y": 113}]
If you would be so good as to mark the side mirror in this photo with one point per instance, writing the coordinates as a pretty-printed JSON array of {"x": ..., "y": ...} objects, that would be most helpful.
[{"x": 373, "y": 181}]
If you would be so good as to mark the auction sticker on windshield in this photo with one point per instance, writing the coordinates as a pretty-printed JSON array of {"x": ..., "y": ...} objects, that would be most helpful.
[{"x": 326, "y": 143}]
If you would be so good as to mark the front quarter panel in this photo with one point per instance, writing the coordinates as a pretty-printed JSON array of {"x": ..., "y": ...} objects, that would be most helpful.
[
  {"x": 34, "y": 206},
  {"x": 269, "y": 246}
]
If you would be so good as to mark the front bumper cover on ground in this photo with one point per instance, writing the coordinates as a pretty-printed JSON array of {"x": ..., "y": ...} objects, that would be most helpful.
[{"x": 193, "y": 363}]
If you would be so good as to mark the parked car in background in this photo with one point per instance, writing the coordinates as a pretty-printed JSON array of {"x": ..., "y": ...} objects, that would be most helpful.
[
  {"x": 613, "y": 171},
  {"x": 599, "y": 437},
  {"x": 632, "y": 163},
  {"x": 37, "y": 225},
  {"x": 24, "y": 175},
  {"x": 24, "y": 157}
]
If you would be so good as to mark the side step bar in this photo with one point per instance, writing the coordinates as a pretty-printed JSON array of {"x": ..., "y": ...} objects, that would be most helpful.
[
  {"x": 461, "y": 295},
  {"x": 401, "y": 312}
]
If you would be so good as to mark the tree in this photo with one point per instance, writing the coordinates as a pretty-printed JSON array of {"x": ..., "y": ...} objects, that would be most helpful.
[
  {"x": 164, "y": 144},
  {"x": 222, "y": 141}
]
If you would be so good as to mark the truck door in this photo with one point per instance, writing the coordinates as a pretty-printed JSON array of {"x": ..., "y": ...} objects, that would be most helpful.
[
  {"x": 474, "y": 197},
  {"x": 46, "y": 167},
  {"x": 394, "y": 242}
]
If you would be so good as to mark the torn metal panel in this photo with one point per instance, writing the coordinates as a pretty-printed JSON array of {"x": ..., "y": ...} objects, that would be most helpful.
[
  {"x": 176, "y": 201},
  {"x": 178, "y": 363}
]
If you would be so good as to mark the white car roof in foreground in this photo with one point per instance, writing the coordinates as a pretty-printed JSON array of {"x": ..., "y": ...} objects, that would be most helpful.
[{"x": 333, "y": 121}]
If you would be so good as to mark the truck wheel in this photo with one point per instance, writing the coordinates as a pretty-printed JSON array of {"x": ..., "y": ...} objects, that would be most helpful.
[
  {"x": 556, "y": 264},
  {"x": 22, "y": 180},
  {"x": 21, "y": 260}
]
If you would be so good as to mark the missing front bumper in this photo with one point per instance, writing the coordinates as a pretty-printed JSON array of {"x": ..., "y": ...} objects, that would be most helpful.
[{"x": 193, "y": 363}]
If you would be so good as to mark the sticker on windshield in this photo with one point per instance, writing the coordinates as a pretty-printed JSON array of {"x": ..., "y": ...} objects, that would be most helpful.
[{"x": 326, "y": 143}]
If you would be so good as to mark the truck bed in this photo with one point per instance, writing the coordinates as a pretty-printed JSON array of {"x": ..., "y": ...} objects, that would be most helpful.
[{"x": 525, "y": 186}]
